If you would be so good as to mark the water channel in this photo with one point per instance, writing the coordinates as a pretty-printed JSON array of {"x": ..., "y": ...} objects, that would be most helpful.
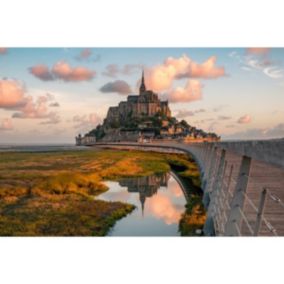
[{"x": 159, "y": 202}]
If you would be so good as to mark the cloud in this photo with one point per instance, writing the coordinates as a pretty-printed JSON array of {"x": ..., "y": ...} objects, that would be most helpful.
[
  {"x": 85, "y": 53},
  {"x": 163, "y": 208},
  {"x": 276, "y": 131},
  {"x": 3, "y": 50},
  {"x": 184, "y": 113},
  {"x": 62, "y": 71},
  {"x": 204, "y": 120},
  {"x": 212, "y": 126},
  {"x": 118, "y": 86},
  {"x": 199, "y": 110},
  {"x": 55, "y": 104},
  {"x": 161, "y": 77},
  {"x": 274, "y": 72},
  {"x": 230, "y": 126},
  {"x": 53, "y": 118},
  {"x": 36, "y": 109},
  {"x": 42, "y": 72},
  {"x": 6, "y": 124},
  {"x": 206, "y": 70},
  {"x": 258, "y": 50},
  {"x": 191, "y": 92},
  {"x": 65, "y": 72},
  {"x": 113, "y": 70},
  {"x": 266, "y": 67},
  {"x": 12, "y": 94},
  {"x": 86, "y": 121},
  {"x": 257, "y": 59},
  {"x": 13, "y": 97},
  {"x": 223, "y": 117},
  {"x": 244, "y": 119},
  {"x": 219, "y": 108}
]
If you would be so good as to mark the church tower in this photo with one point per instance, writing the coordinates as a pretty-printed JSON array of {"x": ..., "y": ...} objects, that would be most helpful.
[{"x": 142, "y": 88}]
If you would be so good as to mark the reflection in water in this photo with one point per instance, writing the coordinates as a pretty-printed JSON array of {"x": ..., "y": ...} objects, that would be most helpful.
[{"x": 159, "y": 200}]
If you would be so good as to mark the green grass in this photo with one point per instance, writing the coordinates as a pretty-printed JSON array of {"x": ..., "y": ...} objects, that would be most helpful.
[{"x": 46, "y": 194}]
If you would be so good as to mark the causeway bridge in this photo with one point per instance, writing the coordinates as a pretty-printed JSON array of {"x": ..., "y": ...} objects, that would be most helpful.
[{"x": 242, "y": 181}]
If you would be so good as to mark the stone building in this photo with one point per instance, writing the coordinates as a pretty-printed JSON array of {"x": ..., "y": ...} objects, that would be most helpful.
[
  {"x": 142, "y": 118},
  {"x": 146, "y": 104}
]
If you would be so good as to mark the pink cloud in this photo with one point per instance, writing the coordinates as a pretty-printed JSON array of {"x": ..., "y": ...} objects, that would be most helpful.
[
  {"x": 244, "y": 119},
  {"x": 86, "y": 121},
  {"x": 258, "y": 50},
  {"x": 191, "y": 92},
  {"x": 206, "y": 70},
  {"x": 62, "y": 71},
  {"x": 85, "y": 53},
  {"x": 162, "y": 208},
  {"x": 13, "y": 97},
  {"x": 42, "y": 72},
  {"x": 3, "y": 50},
  {"x": 38, "y": 109},
  {"x": 161, "y": 77},
  {"x": 11, "y": 94},
  {"x": 6, "y": 124}
]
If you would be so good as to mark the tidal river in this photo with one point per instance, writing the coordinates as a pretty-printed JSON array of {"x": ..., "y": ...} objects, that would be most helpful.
[{"x": 159, "y": 202}]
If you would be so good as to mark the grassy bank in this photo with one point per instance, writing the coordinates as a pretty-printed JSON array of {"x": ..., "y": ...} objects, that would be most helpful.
[
  {"x": 52, "y": 193},
  {"x": 194, "y": 216}
]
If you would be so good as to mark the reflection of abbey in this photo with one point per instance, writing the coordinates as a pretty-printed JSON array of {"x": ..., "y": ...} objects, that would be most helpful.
[
  {"x": 142, "y": 118},
  {"x": 146, "y": 186}
]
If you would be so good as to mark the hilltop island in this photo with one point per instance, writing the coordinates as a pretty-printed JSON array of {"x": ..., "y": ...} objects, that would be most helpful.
[{"x": 143, "y": 118}]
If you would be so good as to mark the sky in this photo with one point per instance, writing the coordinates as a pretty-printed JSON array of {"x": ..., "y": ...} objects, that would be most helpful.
[{"x": 49, "y": 95}]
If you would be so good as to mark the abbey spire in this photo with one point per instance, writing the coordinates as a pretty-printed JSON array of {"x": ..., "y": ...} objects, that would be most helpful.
[{"x": 142, "y": 88}]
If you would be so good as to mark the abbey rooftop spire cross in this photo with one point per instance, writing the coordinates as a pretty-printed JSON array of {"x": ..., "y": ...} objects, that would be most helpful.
[{"x": 142, "y": 86}]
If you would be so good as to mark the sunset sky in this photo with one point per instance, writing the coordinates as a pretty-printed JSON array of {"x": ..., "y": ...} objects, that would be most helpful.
[{"x": 49, "y": 95}]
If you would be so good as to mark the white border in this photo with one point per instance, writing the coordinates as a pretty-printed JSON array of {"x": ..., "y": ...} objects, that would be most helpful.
[
  {"x": 147, "y": 23},
  {"x": 130, "y": 23}
]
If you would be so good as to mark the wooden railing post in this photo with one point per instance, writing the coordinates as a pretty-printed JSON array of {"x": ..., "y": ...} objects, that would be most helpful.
[
  {"x": 238, "y": 197},
  {"x": 260, "y": 212}
]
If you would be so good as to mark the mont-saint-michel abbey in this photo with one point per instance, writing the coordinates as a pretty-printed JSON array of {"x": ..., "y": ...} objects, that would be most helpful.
[{"x": 142, "y": 118}]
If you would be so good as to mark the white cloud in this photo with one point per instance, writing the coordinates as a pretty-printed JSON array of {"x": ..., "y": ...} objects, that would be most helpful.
[{"x": 259, "y": 61}]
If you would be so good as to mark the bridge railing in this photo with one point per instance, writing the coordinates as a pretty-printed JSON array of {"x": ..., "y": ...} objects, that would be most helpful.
[
  {"x": 243, "y": 195},
  {"x": 243, "y": 200}
]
